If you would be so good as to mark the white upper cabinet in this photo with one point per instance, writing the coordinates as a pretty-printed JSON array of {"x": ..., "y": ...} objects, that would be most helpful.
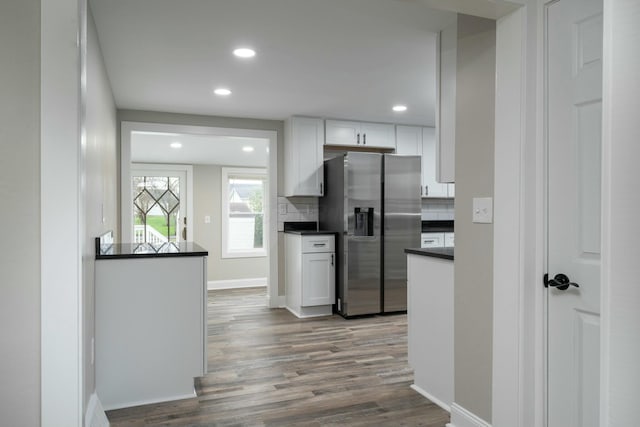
[
  {"x": 416, "y": 140},
  {"x": 430, "y": 186},
  {"x": 446, "y": 69},
  {"x": 409, "y": 140},
  {"x": 303, "y": 157},
  {"x": 360, "y": 134}
]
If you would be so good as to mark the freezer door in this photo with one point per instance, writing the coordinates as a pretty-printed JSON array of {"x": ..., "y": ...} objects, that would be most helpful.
[
  {"x": 362, "y": 288},
  {"x": 402, "y": 226}
]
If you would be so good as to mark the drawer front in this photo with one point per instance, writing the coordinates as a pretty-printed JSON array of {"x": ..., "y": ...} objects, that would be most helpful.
[
  {"x": 432, "y": 240},
  {"x": 449, "y": 239},
  {"x": 318, "y": 243}
]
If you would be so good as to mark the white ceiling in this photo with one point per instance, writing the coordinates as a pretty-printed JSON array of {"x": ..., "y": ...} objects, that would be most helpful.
[
  {"x": 351, "y": 59},
  {"x": 155, "y": 147}
]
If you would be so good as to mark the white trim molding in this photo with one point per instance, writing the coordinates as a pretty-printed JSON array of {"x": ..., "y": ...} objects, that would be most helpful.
[
  {"x": 237, "y": 283},
  {"x": 95, "y": 416},
  {"x": 277, "y": 301},
  {"x": 460, "y": 417},
  {"x": 271, "y": 202},
  {"x": 258, "y": 174},
  {"x": 62, "y": 119},
  {"x": 432, "y": 398}
]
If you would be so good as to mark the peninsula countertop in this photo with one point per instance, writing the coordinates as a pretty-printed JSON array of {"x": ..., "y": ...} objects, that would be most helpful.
[
  {"x": 148, "y": 250},
  {"x": 444, "y": 253}
]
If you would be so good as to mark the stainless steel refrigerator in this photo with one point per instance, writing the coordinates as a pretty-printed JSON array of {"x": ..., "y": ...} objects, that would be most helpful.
[{"x": 373, "y": 201}]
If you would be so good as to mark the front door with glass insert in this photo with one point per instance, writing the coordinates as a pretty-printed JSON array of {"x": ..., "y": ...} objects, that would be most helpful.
[{"x": 158, "y": 206}]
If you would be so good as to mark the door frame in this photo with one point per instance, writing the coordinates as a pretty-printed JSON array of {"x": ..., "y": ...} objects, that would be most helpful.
[
  {"x": 272, "y": 172},
  {"x": 516, "y": 287},
  {"x": 126, "y": 195}
]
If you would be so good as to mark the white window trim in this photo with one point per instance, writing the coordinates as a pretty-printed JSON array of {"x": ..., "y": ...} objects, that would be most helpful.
[{"x": 258, "y": 172}]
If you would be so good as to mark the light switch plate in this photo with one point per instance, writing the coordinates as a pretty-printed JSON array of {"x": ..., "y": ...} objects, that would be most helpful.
[
  {"x": 483, "y": 210},
  {"x": 207, "y": 219}
]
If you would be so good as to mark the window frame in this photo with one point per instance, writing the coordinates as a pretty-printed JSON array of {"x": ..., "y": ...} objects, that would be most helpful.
[{"x": 257, "y": 173}]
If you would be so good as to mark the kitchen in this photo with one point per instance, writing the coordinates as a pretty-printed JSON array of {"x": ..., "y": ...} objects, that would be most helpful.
[
  {"x": 411, "y": 144},
  {"x": 62, "y": 224}
]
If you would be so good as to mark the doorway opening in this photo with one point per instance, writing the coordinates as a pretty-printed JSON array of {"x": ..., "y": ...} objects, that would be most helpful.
[{"x": 214, "y": 186}]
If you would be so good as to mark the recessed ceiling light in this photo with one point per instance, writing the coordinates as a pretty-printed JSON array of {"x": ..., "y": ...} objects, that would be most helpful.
[
  {"x": 399, "y": 108},
  {"x": 222, "y": 91},
  {"x": 176, "y": 145},
  {"x": 247, "y": 149},
  {"x": 244, "y": 52}
]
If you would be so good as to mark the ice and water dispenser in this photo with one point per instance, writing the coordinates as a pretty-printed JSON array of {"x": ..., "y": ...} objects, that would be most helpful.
[{"x": 363, "y": 222}]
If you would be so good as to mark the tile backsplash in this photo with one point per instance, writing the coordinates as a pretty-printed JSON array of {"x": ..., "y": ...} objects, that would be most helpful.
[
  {"x": 292, "y": 209},
  {"x": 437, "y": 209}
]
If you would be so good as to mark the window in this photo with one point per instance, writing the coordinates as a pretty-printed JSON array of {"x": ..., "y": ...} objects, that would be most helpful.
[{"x": 243, "y": 212}]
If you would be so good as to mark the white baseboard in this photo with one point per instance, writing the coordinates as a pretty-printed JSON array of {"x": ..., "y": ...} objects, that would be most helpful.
[
  {"x": 308, "y": 312},
  {"x": 236, "y": 283},
  {"x": 460, "y": 417},
  {"x": 168, "y": 398},
  {"x": 434, "y": 399},
  {"x": 95, "y": 416},
  {"x": 278, "y": 302}
]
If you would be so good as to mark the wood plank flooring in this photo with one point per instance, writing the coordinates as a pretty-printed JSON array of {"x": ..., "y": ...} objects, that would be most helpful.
[{"x": 269, "y": 368}]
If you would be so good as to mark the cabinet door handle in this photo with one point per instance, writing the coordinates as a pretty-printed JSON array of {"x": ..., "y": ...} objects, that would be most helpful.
[
  {"x": 358, "y": 140},
  {"x": 319, "y": 245},
  {"x": 321, "y": 192},
  {"x": 426, "y": 190},
  {"x": 364, "y": 139},
  {"x": 332, "y": 259}
]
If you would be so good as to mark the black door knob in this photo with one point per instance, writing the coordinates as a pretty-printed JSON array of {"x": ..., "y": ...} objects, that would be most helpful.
[{"x": 561, "y": 282}]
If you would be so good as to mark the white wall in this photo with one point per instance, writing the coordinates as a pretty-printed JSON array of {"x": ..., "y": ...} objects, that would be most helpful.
[
  {"x": 475, "y": 98},
  {"x": 100, "y": 194},
  {"x": 207, "y": 201},
  {"x": 20, "y": 213},
  {"x": 621, "y": 202}
]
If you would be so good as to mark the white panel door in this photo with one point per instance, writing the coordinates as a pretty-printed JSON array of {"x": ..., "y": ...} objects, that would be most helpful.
[
  {"x": 574, "y": 117},
  {"x": 318, "y": 279}
]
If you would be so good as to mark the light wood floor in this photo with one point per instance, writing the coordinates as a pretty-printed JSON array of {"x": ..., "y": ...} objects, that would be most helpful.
[{"x": 268, "y": 368}]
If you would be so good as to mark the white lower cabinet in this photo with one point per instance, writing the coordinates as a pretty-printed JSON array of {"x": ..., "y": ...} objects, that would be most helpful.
[
  {"x": 449, "y": 240},
  {"x": 151, "y": 329},
  {"x": 432, "y": 240},
  {"x": 430, "y": 325},
  {"x": 310, "y": 274}
]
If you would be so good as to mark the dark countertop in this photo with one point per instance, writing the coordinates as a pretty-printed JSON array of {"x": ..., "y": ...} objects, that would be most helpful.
[
  {"x": 147, "y": 250},
  {"x": 310, "y": 232},
  {"x": 305, "y": 228},
  {"x": 444, "y": 253},
  {"x": 437, "y": 226}
]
